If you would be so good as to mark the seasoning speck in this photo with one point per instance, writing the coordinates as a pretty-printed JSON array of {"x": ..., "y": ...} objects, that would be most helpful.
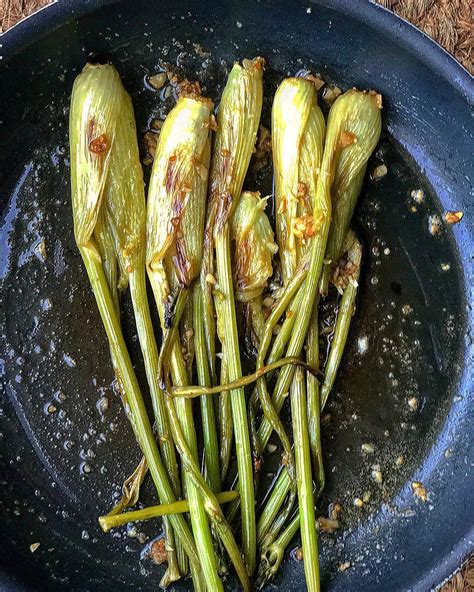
[
  {"x": 51, "y": 408},
  {"x": 413, "y": 403},
  {"x": 445, "y": 266},
  {"x": 308, "y": 10},
  {"x": 327, "y": 525},
  {"x": 158, "y": 552},
  {"x": 239, "y": 24},
  {"x": 453, "y": 217},
  {"x": 418, "y": 195},
  {"x": 379, "y": 172},
  {"x": 40, "y": 251},
  {"x": 368, "y": 448},
  {"x": 434, "y": 224},
  {"x": 377, "y": 474},
  {"x": 331, "y": 93},
  {"x": 158, "y": 80},
  {"x": 358, "y": 503},
  {"x": 399, "y": 461},
  {"x": 419, "y": 491},
  {"x": 344, "y": 566},
  {"x": 406, "y": 310},
  {"x": 34, "y": 547}
]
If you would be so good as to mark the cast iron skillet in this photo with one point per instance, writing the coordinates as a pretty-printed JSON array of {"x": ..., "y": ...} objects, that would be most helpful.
[{"x": 64, "y": 455}]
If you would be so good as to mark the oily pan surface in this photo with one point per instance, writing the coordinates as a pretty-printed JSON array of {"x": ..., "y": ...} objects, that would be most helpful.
[{"x": 404, "y": 343}]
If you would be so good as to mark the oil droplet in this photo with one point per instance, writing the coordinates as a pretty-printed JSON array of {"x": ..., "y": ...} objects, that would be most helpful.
[
  {"x": 85, "y": 468},
  {"x": 46, "y": 304},
  {"x": 69, "y": 361},
  {"x": 363, "y": 345},
  {"x": 50, "y": 408}
]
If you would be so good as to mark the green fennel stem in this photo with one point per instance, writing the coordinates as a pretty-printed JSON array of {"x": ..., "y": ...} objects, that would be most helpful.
[
  {"x": 277, "y": 311},
  {"x": 314, "y": 403},
  {"x": 273, "y": 556},
  {"x": 182, "y": 424},
  {"x": 180, "y": 507},
  {"x": 137, "y": 280},
  {"x": 282, "y": 485},
  {"x": 171, "y": 333},
  {"x": 209, "y": 427},
  {"x": 131, "y": 488},
  {"x": 284, "y": 334},
  {"x": 273, "y": 505},
  {"x": 226, "y": 427},
  {"x": 180, "y": 412},
  {"x": 303, "y": 317},
  {"x": 343, "y": 321},
  {"x": 211, "y": 503},
  {"x": 238, "y": 403},
  {"x": 138, "y": 414},
  {"x": 193, "y": 391},
  {"x": 304, "y": 481}
]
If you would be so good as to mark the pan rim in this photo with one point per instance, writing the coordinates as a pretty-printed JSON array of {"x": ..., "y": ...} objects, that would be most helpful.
[{"x": 398, "y": 30}]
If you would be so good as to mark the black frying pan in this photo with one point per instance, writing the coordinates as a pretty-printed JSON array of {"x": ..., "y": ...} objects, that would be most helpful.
[{"x": 64, "y": 457}]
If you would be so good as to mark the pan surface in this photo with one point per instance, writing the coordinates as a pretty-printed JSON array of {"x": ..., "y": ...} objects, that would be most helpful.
[{"x": 66, "y": 445}]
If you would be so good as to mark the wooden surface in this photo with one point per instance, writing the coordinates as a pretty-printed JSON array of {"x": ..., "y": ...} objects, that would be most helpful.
[{"x": 449, "y": 22}]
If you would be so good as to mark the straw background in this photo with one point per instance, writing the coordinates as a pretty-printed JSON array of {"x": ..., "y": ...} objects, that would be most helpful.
[{"x": 449, "y": 22}]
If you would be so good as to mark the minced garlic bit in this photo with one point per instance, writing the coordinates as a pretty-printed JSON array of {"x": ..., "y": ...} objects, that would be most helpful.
[
  {"x": 40, "y": 250},
  {"x": 366, "y": 497},
  {"x": 306, "y": 226},
  {"x": 453, "y": 217},
  {"x": 406, "y": 310},
  {"x": 150, "y": 141},
  {"x": 379, "y": 172},
  {"x": 316, "y": 80},
  {"x": 434, "y": 224},
  {"x": 268, "y": 302},
  {"x": 344, "y": 566},
  {"x": 399, "y": 460},
  {"x": 413, "y": 403},
  {"x": 377, "y": 474},
  {"x": 331, "y": 93},
  {"x": 276, "y": 329},
  {"x": 419, "y": 490},
  {"x": 158, "y": 553},
  {"x": 210, "y": 279},
  {"x": 358, "y": 503},
  {"x": 326, "y": 524},
  {"x": 368, "y": 448},
  {"x": 34, "y": 547},
  {"x": 335, "y": 510},
  {"x": 158, "y": 81},
  {"x": 445, "y": 266},
  {"x": 299, "y": 554},
  {"x": 418, "y": 195}
]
